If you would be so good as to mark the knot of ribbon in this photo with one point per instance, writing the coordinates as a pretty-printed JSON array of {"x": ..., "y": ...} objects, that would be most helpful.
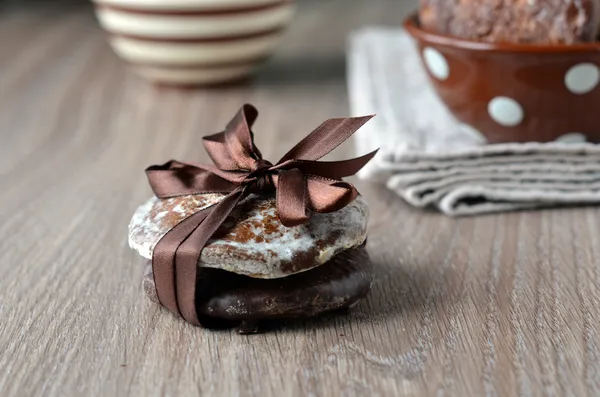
[{"x": 301, "y": 183}]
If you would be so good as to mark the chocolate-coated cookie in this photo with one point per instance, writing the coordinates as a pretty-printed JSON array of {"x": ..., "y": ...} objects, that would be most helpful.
[{"x": 338, "y": 284}]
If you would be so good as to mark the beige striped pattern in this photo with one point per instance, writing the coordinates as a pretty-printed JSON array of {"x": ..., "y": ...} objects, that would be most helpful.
[{"x": 194, "y": 41}]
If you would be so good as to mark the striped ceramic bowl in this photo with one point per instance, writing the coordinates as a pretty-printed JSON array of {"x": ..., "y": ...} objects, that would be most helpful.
[{"x": 194, "y": 42}]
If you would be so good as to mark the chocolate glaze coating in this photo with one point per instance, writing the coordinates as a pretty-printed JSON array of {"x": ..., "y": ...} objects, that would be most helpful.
[
  {"x": 514, "y": 21},
  {"x": 338, "y": 284}
]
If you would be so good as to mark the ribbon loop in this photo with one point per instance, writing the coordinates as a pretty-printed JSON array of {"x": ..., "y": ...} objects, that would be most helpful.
[
  {"x": 302, "y": 185},
  {"x": 325, "y": 138}
]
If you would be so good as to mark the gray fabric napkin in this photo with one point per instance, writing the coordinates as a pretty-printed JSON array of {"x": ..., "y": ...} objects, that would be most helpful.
[{"x": 432, "y": 160}]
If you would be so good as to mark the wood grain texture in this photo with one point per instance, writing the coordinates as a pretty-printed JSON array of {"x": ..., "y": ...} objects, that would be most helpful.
[{"x": 496, "y": 305}]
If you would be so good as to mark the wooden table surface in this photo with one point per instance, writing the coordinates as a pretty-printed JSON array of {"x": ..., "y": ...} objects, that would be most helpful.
[{"x": 497, "y": 305}]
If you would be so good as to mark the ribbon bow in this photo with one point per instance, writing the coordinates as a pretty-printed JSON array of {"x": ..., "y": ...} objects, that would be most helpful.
[{"x": 301, "y": 183}]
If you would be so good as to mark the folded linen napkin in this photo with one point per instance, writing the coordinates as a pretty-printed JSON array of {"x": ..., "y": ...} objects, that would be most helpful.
[{"x": 432, "y": 160}]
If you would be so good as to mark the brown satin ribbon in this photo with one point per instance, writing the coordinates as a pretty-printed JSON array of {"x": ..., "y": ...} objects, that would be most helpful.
[{"x": 302, "y": 185}]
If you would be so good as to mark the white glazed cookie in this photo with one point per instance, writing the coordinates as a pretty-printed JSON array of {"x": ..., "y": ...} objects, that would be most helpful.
[{"x": 256, "y": 244}]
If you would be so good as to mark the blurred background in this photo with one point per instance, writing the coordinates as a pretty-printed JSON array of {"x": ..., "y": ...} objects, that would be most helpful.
[
  {"x": 312, "y": 51},
  {"x": 56, "y": 49}
]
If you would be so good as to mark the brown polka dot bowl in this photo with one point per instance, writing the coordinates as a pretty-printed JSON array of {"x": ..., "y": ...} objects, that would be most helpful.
[{"x": 515, "y": 92}]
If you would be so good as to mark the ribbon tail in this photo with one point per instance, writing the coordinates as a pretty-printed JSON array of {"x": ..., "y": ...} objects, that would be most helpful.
[
  {"x": 175, "y": 257},
  {"x": 189, "y": 251},
  {"x": 329, "y": 169},
  {"x": 291, "y": 197},
  {"x": 350, "y": 167},
  {"x": 163, "y": 259}
]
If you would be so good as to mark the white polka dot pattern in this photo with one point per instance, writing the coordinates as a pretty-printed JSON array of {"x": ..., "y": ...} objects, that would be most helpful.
[
  {"x": 436, "y": 63},
  {"x": 506, "y": 111},
  {"x": 572, "y": 137},
  {"x": 582, "y": 78}
]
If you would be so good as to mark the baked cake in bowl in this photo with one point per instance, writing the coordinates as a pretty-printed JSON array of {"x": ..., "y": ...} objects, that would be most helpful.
[{"x": 515, "y": 80}]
